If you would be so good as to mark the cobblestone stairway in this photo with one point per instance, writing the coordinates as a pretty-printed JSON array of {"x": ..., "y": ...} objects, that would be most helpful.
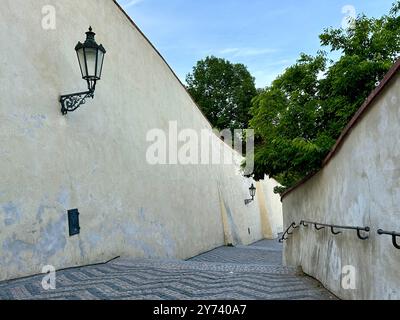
[{"x": 243, "y": 273}]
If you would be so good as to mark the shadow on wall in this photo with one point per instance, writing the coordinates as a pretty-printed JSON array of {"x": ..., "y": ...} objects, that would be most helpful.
[
  {"x": 128, "y": 206},
  {"x": 358, "y": 186},
  {"x": 270, "y": 208}
]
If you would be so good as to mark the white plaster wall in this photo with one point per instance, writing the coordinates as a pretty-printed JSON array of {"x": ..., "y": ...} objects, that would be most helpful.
[
  {"x": 243, "y": 226},
  {"x": 273, "y": 206},
  {"x": 94, "y": 159},
  {"x": 359, "y": 187}
]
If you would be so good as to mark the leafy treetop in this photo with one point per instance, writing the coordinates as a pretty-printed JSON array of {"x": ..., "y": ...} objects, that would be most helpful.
[
  {"x": 223, "y": 91},
  {"x": 299, "y": 117}
]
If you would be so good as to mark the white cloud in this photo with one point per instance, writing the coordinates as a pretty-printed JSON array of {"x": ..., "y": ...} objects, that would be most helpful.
[
  {"x": 128, "y": 3},
  {"x": 246, "y": 52},
  {"x": 229, "y": 51}
]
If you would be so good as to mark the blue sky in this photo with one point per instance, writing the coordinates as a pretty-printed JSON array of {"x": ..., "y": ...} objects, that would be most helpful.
[{"x": 265, "y": 35}]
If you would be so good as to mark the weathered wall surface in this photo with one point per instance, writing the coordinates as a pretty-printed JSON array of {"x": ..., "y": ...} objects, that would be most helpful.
[
  {"x": 360, "y": 186},
  {"x": 270, "y": 208},
  {"x": 95, "y": 158}
]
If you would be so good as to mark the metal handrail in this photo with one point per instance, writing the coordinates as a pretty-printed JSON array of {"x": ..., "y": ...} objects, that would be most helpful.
[
  {"x": 287, "y": 232},
  {"x": 394, "y": 236},
  {"x": 319, "y": 226}
]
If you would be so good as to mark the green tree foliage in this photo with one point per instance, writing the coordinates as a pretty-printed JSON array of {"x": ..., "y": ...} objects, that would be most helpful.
[
  {"x": 299, "y": 117},
  {"x": 223, "y": 91}
]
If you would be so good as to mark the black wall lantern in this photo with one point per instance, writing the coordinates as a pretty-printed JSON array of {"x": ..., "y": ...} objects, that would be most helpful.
[
  {"x": 90, "y": 58},
  {"x": 252, "y": 190}
]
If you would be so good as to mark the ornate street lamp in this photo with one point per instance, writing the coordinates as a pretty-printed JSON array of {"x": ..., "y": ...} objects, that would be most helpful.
[
  {"x": 90, "y": 58},
  {"x": 252, "y": 190}
]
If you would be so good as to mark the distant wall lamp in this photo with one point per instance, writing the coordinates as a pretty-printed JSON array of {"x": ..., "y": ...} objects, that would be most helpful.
[
  {"x": 90, "y": 58},
  {"x": 252, "y": 190}
]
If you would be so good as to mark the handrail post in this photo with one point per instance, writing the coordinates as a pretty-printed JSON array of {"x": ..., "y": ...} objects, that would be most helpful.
[
  {"x": 333, "y": 231},
  {"x": 367, "y": 229},
  {"x": 287, "y": 232},
  {"x": 394, "y": 237}
]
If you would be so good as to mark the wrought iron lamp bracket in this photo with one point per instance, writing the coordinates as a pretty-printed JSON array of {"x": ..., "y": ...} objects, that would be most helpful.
[{"x": 71, "y": 102}]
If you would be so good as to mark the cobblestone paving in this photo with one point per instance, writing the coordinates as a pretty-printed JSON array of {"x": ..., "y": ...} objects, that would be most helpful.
[
  {"x": 242, "y": 255},
  {"x": 241, "y": 273}
]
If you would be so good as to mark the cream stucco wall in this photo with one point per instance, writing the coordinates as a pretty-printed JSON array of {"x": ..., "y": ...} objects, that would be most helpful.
[
  {"x": 270, "y": 208},
  {"x": 95, "y": 158},
  {"x": 360, "y": 186}
]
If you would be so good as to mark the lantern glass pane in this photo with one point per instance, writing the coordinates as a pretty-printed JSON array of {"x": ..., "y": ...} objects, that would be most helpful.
[
  {"x": 99, "y": 63},
  {"x": 91, "y": 62},
  {"x": 81, "y": 59}
]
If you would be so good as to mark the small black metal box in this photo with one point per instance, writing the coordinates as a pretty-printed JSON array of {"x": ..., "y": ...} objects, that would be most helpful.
[{"x": 73, "y": 222}]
